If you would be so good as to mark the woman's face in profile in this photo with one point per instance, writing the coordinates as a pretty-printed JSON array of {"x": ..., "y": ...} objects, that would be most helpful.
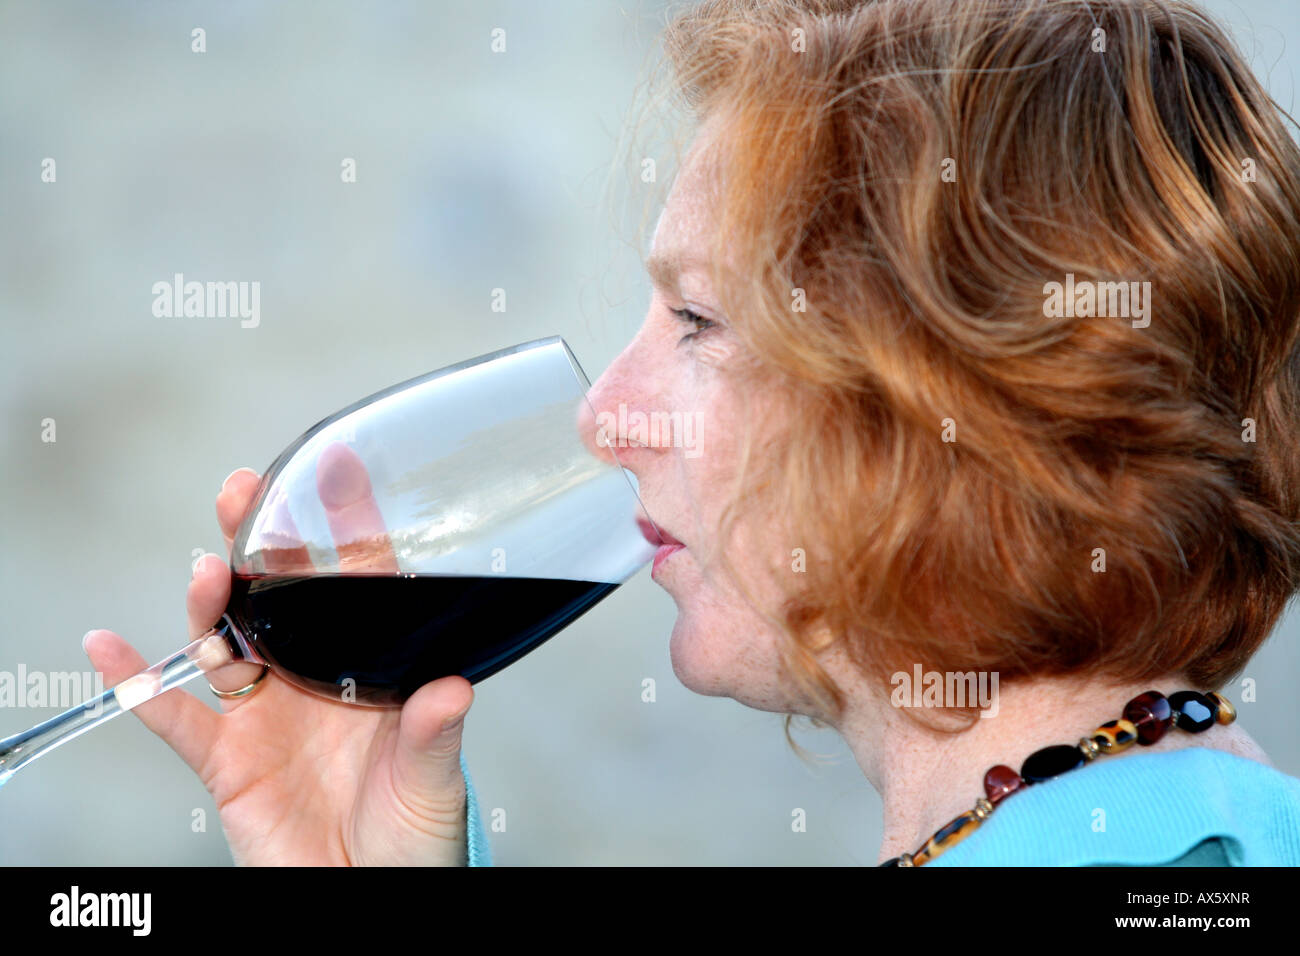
[{"x": 675, "y": 371}]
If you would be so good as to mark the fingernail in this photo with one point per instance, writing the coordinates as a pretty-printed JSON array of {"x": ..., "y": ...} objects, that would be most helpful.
[
  {"x": 232, "y": 475},
  {"x": 86, "y": 637}
]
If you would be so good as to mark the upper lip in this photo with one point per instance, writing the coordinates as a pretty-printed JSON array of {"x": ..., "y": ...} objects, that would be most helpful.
[{"x": 655, "y": 534}]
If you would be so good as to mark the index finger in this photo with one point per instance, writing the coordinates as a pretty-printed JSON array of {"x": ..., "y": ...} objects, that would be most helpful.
[
  {"x": 360, "y": 535},
  {"x": 233, "y": 500},
  {"x": 281, "y": 547}
]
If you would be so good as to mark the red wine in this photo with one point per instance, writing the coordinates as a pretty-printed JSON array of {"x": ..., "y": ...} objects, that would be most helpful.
[{"x": 391, "y": 634}]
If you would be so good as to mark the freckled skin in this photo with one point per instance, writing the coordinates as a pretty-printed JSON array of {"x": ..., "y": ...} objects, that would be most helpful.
[{"x": 721, "y": 646}]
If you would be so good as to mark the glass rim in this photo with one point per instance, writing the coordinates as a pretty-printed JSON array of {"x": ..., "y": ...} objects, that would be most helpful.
[{"x": 584, "y": 387}]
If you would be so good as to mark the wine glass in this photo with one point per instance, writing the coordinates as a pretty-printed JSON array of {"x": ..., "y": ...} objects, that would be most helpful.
[{"x": 449, "y": 524}]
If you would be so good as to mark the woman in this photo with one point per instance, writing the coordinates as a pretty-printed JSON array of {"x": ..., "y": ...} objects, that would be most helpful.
[{"x": 987, "y": 314}]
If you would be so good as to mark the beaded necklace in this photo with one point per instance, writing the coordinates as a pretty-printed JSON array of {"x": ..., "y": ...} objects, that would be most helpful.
[{"x": 1146, "y": 718}]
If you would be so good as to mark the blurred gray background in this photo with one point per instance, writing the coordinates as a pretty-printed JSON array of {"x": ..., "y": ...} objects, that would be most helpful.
[{"x": 475, "y": 171}]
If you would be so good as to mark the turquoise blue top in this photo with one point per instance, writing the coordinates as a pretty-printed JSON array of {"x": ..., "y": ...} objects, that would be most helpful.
[
  {"x": 480, "y": 854},
  {"x": 1189, "y": 807}
]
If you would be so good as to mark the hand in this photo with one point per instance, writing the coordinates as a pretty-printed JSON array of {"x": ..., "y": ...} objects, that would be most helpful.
[{"x": 300, "y": 780}]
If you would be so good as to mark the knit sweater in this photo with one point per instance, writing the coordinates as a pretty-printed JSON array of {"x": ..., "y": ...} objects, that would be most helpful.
[{"x": 1188, "y": 807}]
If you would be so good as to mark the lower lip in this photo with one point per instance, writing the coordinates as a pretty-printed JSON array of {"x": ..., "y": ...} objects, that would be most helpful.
[{"x": 662, "y": 555}]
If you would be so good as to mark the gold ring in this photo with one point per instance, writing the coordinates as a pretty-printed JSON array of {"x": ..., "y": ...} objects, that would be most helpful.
[{"x": 246, "y": 689}]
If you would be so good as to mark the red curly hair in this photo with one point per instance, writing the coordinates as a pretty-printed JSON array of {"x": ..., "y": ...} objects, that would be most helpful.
[{"x": 915, "y": 173}]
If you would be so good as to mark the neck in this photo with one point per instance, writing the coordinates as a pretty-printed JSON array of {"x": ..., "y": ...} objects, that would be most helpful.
[{"x": 926, "y": 778}]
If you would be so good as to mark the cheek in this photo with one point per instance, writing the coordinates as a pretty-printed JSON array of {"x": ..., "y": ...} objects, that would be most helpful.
[
  {"x": 720, "y": 645},
  {"x": 708, "y": 454}
]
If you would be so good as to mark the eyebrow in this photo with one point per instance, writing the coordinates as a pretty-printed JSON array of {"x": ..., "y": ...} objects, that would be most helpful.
[{"x": 665, "y": 268}]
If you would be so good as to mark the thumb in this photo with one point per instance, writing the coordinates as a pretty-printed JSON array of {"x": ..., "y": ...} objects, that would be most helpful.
[{"x": 426, "y": 762}]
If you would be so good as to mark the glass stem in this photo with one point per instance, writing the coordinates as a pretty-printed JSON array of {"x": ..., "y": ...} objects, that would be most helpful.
[{"x": 221, "y": 645}]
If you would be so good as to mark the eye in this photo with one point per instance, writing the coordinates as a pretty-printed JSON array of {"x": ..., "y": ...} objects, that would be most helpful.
[{"x": 700, "y": 323}]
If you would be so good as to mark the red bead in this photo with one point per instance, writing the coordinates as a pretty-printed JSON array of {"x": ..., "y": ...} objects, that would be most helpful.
[
  {"x": 1151, "y": 714},
  {"x": 1000, "y": 781}
]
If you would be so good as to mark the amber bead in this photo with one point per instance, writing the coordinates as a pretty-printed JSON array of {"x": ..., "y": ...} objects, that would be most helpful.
[
  {"x": 1151, "y": 714},
  {"x": 949, "y": 836},
  {"x": 1050, "y": 762},
  {"x": 1225, "y": 713},
  {"x": 1193, "y": 712},
  {"x": 1115, "y": 735},
  {"x": 1001, "y": 781}
]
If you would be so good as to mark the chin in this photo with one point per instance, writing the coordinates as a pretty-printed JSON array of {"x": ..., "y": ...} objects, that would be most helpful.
[
  {"x": 713, "y": 663},
  {"x": 694, "y": 662}
]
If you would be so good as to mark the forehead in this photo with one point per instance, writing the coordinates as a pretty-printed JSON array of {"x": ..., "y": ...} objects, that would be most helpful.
[
  {"x": 687, "y": 205},
  {"x": 682, "y": 232}
]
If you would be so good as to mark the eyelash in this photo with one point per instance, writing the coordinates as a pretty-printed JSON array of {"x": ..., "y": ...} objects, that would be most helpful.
[{"x": 694, "y": 318}]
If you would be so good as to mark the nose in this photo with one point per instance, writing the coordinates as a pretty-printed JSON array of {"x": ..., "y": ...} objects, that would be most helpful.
[
  {"x": 594, "y": 438},
  {"x": 621, "y": 395}
]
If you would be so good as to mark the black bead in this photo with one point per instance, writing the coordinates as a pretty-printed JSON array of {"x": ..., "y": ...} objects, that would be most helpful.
[
  {"x": 1193, "y": 712},
  {"x": 891, "y": 862},
  {"x": 1050, "y": 762}
]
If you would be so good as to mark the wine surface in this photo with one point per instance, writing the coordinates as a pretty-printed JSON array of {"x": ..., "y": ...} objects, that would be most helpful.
[{"x": 391, "y": 634}]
